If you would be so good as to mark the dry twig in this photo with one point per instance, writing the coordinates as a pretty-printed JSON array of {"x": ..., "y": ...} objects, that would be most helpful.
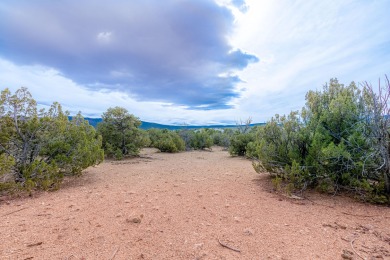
[
  {"x": 354, "y": 248},
  {"x": 12, "y": 212},
  {"x": 229, "y": 247},
  {"x": 332, "y": 207},
  {"x": 35, "y": 244},
  {"x": 113, "y": 255},
  {"x": 363, "y": 216}
]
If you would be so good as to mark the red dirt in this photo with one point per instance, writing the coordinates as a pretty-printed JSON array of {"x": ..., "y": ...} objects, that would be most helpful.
[{"x": 192, "y": 205}]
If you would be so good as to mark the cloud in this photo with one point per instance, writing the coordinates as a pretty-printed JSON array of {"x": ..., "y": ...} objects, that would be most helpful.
[
  {"x": 303, "y": 44},
  {"x": 48, "y": 85},
  {"x": 104, "y": 37},
  {"x": 241, "y": 5},
  {"x": 166, "y": 51},
  {"x": 188, "y": 61}
]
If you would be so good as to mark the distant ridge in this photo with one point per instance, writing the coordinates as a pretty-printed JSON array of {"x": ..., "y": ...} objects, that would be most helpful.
[{"x": 148, "y": 125}]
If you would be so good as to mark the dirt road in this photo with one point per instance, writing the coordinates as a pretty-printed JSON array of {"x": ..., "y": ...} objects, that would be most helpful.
[{"x": 192, "y": 205}]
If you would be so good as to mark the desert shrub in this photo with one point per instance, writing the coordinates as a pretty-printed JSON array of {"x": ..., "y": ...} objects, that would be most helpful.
[
  {"x": 166, "y": 141},
  {"x": 38, "y": 148},
  {"x": 197, "y": 139},
  {"x": 6, "y": 163},
  {"x": 201, "y": 139},
  {"x": 239, "y": 143},
  {"x": 222, "y": 137},
  {"x": 121, "y": 134},
  {"x": 243, "y": 136},
  {"x": 339, "y": 141},
  {"x": 186, "y": 135}
]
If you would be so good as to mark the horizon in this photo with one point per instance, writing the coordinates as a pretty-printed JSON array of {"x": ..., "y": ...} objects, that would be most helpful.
[
  {"x": 206, "y": 62},
  {"x": 173, "y": 125}
]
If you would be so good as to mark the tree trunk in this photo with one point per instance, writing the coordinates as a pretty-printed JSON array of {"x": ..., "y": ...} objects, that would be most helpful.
[{"x": 387, "y": 181}]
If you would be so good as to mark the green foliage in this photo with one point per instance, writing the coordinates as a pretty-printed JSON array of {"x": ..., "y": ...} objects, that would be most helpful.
[
  {"x": 331, "y": 144},
  {"x": 185, "y": 139},
  {"x": 42, "y": 175},
  {"x": 201, "y": 139},
  {"x": 40, "y": 147},
  {"x": 6, "y": 163},
  {"x": 186, "y": 135},
  {"x": 280, "y": 142},
  {"x": 166, "y": 140},
  {"x": 241, "y": 140},
  {"x": 222, "y": 138},
  {"x": 120, "y": 133},
  {"x": 239, "y": 143},
  {"x": 73, "y": 145}
]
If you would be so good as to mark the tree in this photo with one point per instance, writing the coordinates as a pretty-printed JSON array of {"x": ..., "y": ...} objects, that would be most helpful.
[
  {"x": 121, "y": 134},
  {"x": 40, "y": 147},
  {"x": 74, "y": 145},
  {"x": 377, "y": 122}
]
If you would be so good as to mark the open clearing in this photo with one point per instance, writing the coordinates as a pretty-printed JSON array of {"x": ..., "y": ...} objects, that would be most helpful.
[{"x": 191, "y": 205}]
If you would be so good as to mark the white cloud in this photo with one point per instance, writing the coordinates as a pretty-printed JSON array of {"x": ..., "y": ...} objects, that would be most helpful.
[
  {"x": 302, "y": 44},
  {"x": 104, "y": 37}
]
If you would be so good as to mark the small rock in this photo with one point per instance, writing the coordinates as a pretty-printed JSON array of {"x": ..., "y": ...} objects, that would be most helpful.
[
  {"x": 135, "y": 220},
  {"x": 341, "y": 225},
  {"x": 347, "y": 254},
  {"x": 249, "y": 232},
  {"x": 197, "y": 246}
]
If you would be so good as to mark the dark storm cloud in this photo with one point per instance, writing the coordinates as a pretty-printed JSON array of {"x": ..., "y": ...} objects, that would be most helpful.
[{"x": 172, "y": 51}]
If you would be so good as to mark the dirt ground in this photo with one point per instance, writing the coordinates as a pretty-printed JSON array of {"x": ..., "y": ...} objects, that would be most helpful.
[{"x": 191, "y": 205}]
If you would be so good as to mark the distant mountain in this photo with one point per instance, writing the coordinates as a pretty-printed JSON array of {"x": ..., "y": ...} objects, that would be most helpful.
[{"x": 148, "y": 125}]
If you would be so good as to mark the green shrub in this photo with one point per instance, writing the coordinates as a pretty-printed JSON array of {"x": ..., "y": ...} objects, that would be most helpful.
[
  {"x": 201, "y": 140},
  {"x": 339, "y": 141},
  {"x": 166, "y": 141},
  {"x": 38, "y": 148},
  {"x": 121, "y": 134},
  {"x": 221, "y": 138},
  {"x": 239, "y": 143},
  {"x": 186, "y": 135}
]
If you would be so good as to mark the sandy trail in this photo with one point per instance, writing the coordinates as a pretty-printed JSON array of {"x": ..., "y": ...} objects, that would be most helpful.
[{"x": 177, "y": 206}]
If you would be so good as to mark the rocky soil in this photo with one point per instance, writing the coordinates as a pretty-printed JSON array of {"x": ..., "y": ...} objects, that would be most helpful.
[{"x": 191, "y": 205}]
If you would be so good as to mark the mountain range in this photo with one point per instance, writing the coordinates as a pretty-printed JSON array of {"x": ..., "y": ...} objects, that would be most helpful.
[{"x": 148, "y": 125}]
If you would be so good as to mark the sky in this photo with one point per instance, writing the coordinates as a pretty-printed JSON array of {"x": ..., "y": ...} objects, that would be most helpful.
[{"x": 190, "y": 61}]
